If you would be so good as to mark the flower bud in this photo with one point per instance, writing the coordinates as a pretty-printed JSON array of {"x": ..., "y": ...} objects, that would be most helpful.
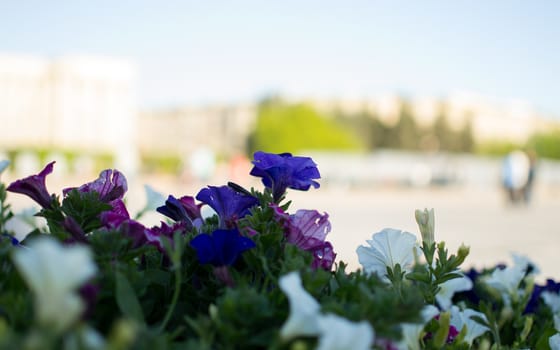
[{"x": 425, "y": 220}]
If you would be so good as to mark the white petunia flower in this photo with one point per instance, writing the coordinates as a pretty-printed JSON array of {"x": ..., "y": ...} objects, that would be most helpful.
[
  {"x": 460, "y": 319},
  {"x": 154, "y": 199},
  {"x": 552, "y": 300},
  {"x": 554, "y": 342},
  {"x": 53, "y": 272},
  {"x": 506, "y": 281},
  {"x": 387, "y": 249},
  {"x": 304, "y": 309},
  {"x": 337, "y": 333},
  {"x": 449, "y": 288},
  {"x": 411, "y": 332},
  {"x": 4, "y": 164},
  {"x": 523, "y": 262}
]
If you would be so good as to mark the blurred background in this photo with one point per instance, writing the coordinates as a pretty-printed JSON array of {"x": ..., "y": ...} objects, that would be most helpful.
[{"x": 403, "y": 105}]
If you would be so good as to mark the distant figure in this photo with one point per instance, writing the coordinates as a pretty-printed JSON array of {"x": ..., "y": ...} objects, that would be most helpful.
[
  {"x": 515, "y": 175},
  {"x": 528, "y": 188}
]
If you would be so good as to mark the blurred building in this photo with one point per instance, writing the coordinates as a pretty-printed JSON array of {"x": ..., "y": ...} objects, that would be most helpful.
[
  {"x": 181, "y": 131},
  {"x": 79, "y": 103},
  {"x": 490, "y": 118}
]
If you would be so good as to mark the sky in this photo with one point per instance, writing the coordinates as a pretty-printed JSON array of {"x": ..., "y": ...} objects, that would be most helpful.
[{"x": 227, "y": 51}]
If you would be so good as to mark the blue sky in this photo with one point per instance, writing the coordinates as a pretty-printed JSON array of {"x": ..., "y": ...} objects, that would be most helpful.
[{"x": 205, "y": 51}]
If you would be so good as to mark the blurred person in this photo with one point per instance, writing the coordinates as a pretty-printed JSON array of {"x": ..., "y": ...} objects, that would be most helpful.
[
  {"x": 528, "y": 188},
  {"x": 515, "y": 175}
]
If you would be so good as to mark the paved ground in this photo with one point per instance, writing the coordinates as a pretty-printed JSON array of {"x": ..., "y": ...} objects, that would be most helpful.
[
  {"x": 480, "y": 218},
  {"x": 476, "y": 216}
]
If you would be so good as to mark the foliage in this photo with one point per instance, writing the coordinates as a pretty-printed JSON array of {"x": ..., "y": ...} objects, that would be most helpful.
[
  {"x": 546, "y": 144},
  {"x": 263, "y": 278},
  {"x": 283, "y": 127},
  {"x": 406, "y": 133}
]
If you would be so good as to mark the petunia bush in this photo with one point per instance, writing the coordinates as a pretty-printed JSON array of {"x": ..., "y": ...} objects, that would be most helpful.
[{"x": 251, "y": 275}]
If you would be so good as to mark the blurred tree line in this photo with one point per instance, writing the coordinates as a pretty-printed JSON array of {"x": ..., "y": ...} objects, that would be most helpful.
[{"x": 301, "y": 127}]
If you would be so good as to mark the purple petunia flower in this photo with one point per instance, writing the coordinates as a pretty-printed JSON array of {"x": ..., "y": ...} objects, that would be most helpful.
[
  {"x": 155, "y": 234},
  {"x": 34, "y": 187},
  {"x": 183, "y": 209},
  {"x": 282, "y": 171},
  {"x": 228, "y": 204},
  {"x": 111, "y": 185},
  {"x": 308, "y": 229},
  {"x": 221, "y": 248}
]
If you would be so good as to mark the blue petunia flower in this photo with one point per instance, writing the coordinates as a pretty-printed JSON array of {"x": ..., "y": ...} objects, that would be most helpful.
[
  {"x": 282, "y": 171},
  {"x": 221, "y": 248},
  {"x": 34, "y": 187},
  {"x": 228, "y": 204}
]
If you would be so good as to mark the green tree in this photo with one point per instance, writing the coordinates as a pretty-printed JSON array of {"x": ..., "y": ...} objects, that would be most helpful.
[
  {"x": 405, "y": 131},
  {"x": 442, "y": 131},
  {"x": 466, "y": 137},
  {"x": 546, "y": 144},
  {"x": 299, "y": 127}
]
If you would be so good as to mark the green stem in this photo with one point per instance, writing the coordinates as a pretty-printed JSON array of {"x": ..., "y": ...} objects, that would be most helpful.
[{"x": 174, "y": 299}]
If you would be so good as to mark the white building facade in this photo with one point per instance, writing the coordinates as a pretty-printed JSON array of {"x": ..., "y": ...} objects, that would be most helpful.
[{"x": 80, "y": 103}]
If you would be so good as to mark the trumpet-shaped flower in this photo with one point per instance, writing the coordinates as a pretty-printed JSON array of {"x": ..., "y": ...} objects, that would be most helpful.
[
  {"x": 111, "y": 185},
  {"x": 449, "y": 288},
  {"x": 153, "y": 198},
  {"x": 506, "y": 281},
  {"x": 304, "y": 309},
  {"x": 34, "y": 186},
  {"x": 425, "y": 220},
  {"x": 337, "y": 333},
  {"x": 282, "y": 171},
  {"x": 388, "y": 248},
  {"x": 183, "y": 209},
  {"x": 221, "y": 248},
  {"x": 554, "y": 342},
  {"x": 4, "y": 164},
  {"x": 229, "y": 204},
  {"x": 411, "y": 332},
  {"x": 463, "y": 318},
  {"x": 307, "y": 229},
  {"x": 54, "y": 273},
  {"x": 552, "y": 300}
]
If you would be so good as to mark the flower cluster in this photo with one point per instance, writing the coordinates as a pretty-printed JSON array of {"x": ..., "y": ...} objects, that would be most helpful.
[{"x": 253, "y": 275}]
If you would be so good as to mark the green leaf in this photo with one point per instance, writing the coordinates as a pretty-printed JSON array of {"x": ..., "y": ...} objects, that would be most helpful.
[{"x": 127, "y": 299}]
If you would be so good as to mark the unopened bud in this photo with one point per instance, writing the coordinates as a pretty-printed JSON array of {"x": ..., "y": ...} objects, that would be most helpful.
[{"x": 425, "y": 220}]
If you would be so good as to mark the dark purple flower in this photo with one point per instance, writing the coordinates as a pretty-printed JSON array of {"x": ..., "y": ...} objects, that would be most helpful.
[
  {"x": 221, "y": 248},
  {"x": 72, "y": 226},
  {"x": 114, "y": 217},
  {"x": 323, "y": 256},
  {"x": 282, "y": 171},
  {"x": 34, "y": 187},
  {"x": 183, "y": 209},
  {"x": 451, "y": 334},
  {"x": 155, "y": 234},
  {"x": 228, "y": 204},
  {"x": 308, "y": 229},
  {"x": 535, "y": 300},
  {"x": 88, "y": 292},
  {"x": 110, "y": 185}
]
